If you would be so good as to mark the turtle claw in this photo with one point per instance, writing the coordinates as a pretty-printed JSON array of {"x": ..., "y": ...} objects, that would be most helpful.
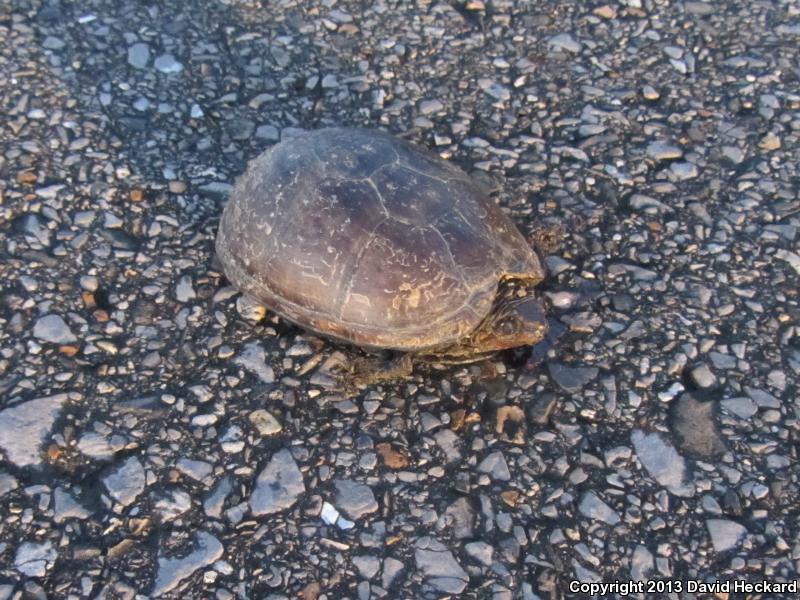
[{"x": 368, "y": 371}]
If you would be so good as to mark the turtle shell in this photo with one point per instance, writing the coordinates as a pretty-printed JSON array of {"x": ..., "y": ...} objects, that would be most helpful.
[{"x": 363, "y": 237}]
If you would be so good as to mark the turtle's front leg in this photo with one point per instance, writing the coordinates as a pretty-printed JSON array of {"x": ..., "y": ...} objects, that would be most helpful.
[{"x": 369, "y": 371}]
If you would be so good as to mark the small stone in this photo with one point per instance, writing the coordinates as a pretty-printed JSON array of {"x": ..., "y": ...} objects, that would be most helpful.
[
  {"x": 392, "y": 458},
  {"x": 571, "y": 379},
  {"x": 184, "y": 292},
  {"x": 682, "y": 171},
  {"x": 24, "y": 426},
  {"x": 367, "y": 566},
  {"x": 126, "y": 482},
  {"x": 199, "y": 470},
  {"x": 8, "y": 483},
  {"x": 65, "y": 506},
  {"x": 460, "y": 516},
  {"x": 427, "y": 107},
  {"x": 663, "y": 462},
  {"x": 139, "y": 55},
  {"x": 176, "y": 187},
  {"x": 53, "y": 328},
  {"x": 264, "y": 422},
  {"x": 650, "y": 93},
  {"x": 770, "y": 142},
  {"x": 725, "y": 535},
  {"x": 661, "y": 150},
  {"x": 278, "y": 486},
  {"x": 249, "y": 309},
  {"x": 564, "y": 41},
  {"x": 355, "y": 499},
  {"x": 541, "y": 409},
  {"x": 53, "y": 43},
  {"x": 391, "y": 569},
  {"x": 254, "y": 359},
  {"x": 641, "y": 563},
  {"x": 171, "y": 571},
  {"x": 703, "y": 376},
  {"x": 733, "y": 154},
  {"x": 495, "y": 466},
  {"x": 742, "y": 407},
  {"x": 35, "y": 559},
  {"x": 166, "y": 63},
  {"x": 439, "y": 567},
  {"x": 481, "y": 552},
  {"x": 268, "y": 133},
  {"x": 594, "y": 508},
  {"x": 693, "y": 422},
  {"x": 606, "y": 11}
]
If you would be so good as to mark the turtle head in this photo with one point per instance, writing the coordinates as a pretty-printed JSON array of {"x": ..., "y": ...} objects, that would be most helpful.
[{"x": 517, "y": 320}]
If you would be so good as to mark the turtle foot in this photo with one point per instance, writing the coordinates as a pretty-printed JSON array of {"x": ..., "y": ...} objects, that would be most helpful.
[{"x": 369, "y": 371}]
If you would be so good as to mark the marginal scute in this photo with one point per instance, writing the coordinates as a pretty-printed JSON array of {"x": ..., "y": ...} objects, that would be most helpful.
[{"x": 362, "y": 237}]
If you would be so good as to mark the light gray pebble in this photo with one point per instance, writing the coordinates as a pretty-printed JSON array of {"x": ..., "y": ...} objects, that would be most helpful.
[
  {"x": 126, "y": 482},
  {"x": 279, "y": 485},
  {"x": 564, "y": 41},
  {"x": 439, "y": 567},
  {"x": 139, "y": 55},
  {"x": 495, "y": 466},
  {"x": 52, "y": 328},
  {"x": 703, "y": 376},
  {"x": 725, "y": 535},
  {"x": 480, "y": 551},
  {"x": 354, "y": 499},
  {"x": 254, "y": 359},
  {"x": 24, "y": 426},
  {"x": 166, "y": 63},
  {"x": 171, "y": 571},
  {"x": 368, "y": 566},
  {"x": 593, "y": 507},
  {"x": 663, "y": 462},
  {"x": 35, "y": 559}
]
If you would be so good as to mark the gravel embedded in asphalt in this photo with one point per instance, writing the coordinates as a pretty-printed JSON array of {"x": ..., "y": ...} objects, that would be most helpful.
[{"x": 163, "y": 434}]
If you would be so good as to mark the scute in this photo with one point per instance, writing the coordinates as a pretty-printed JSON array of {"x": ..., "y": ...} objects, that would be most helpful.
[{"x": 359, "y": 236}]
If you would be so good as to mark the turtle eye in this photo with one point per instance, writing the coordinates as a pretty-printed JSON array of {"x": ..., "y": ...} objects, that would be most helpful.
[{"x": 507, "y": 326}]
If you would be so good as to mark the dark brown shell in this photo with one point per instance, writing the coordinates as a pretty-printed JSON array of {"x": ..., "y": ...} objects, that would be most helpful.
[{"x": 361, "y": 236}]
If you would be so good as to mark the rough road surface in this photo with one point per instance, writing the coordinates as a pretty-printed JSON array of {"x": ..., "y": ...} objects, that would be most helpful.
[{"x": 162, "y": 436}]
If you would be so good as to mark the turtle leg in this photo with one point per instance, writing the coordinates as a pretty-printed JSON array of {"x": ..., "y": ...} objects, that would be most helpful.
[{"x": 369, "y": 371}]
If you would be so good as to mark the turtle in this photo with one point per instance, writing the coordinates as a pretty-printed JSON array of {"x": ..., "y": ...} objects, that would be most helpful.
[{"x": 365, "y": 238}]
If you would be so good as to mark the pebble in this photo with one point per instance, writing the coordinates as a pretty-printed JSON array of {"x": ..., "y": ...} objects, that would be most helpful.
[
  {"x": 694, "y": 424},
  {"x": 662, "y": 150},
  {"x": 25, "y": 426},
  {"x": 571, "y": 379},
  {"x": 594, "y": 508},
  {"x": 35, "y": 559},
  {"x": 354, "y": 499},
  {"x": 703, "y": 376},
  {"x": 564, "y": 41},
  {"x": 172, "y": 570},
  {"x": 126, "y": 482},
  {"x": 264, "y": 422},
  {"x": 439, "y": 567},
  {"x": 166, "y": 63},
  {"x": 428, "y": 107},
  {"x": 278, "y": 486},
  {"x": 184, "y": 291},
  {"x": 138, "y": 55},
  {"x": 495, "y": 466},
  {"x": 253, "y": 358},
  {"x": 682, "y": 171},
  {"x": 725, "y": 535},
  {"x": 53, "y": 328},
  {"x": 663, "y": 462}
]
